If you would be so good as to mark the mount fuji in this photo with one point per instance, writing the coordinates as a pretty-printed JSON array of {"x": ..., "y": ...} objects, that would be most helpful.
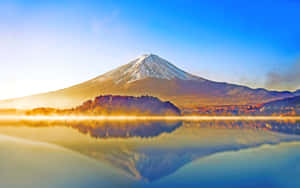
[{"x": 150, "y": 75}]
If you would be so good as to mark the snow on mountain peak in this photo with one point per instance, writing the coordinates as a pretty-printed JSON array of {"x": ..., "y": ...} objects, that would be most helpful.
[{"x": 148, "y": 66}]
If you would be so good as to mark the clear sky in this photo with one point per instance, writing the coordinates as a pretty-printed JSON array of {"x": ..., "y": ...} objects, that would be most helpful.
[{"x": 48, "y": 45}]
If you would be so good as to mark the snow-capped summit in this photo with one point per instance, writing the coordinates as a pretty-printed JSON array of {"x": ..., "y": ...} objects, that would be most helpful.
[{"x": 148, "y": 66}]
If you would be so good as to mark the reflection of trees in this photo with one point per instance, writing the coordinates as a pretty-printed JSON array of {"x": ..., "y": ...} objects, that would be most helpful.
[
  {"x": 146, "y": 128},
  {"x": 287, "y": 127},
  {"x": 112, "y": 129}
]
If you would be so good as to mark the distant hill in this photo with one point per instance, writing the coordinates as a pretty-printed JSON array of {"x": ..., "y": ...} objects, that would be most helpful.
[
  {"x": 115, "y": 105},
  {"x": 151, "y": 75},
  {"x": 129, "y": 105}
]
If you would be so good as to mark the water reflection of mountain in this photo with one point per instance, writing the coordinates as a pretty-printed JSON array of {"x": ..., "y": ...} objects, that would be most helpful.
[
  {"x": 195, "y": 140},
  {"x": 143, "y": 152},
  {"x": 153, "y": 159}
]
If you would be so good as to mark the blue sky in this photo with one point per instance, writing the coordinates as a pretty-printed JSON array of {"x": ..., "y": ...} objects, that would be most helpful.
[{"x": 48, "y": 45}]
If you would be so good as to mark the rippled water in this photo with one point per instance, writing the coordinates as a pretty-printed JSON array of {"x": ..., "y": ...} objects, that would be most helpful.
[{"x": 150, "y": 154}]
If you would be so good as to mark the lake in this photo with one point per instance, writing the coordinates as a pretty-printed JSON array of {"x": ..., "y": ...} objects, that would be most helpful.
[{"x": 149, "y": 153}]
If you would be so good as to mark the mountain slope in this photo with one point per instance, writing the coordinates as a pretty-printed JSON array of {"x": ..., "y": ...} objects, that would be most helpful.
[{"x": 150, "y": 75}]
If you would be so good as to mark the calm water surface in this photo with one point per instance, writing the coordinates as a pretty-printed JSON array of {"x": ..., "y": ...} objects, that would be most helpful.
[{"x": 150, "y": 154}]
